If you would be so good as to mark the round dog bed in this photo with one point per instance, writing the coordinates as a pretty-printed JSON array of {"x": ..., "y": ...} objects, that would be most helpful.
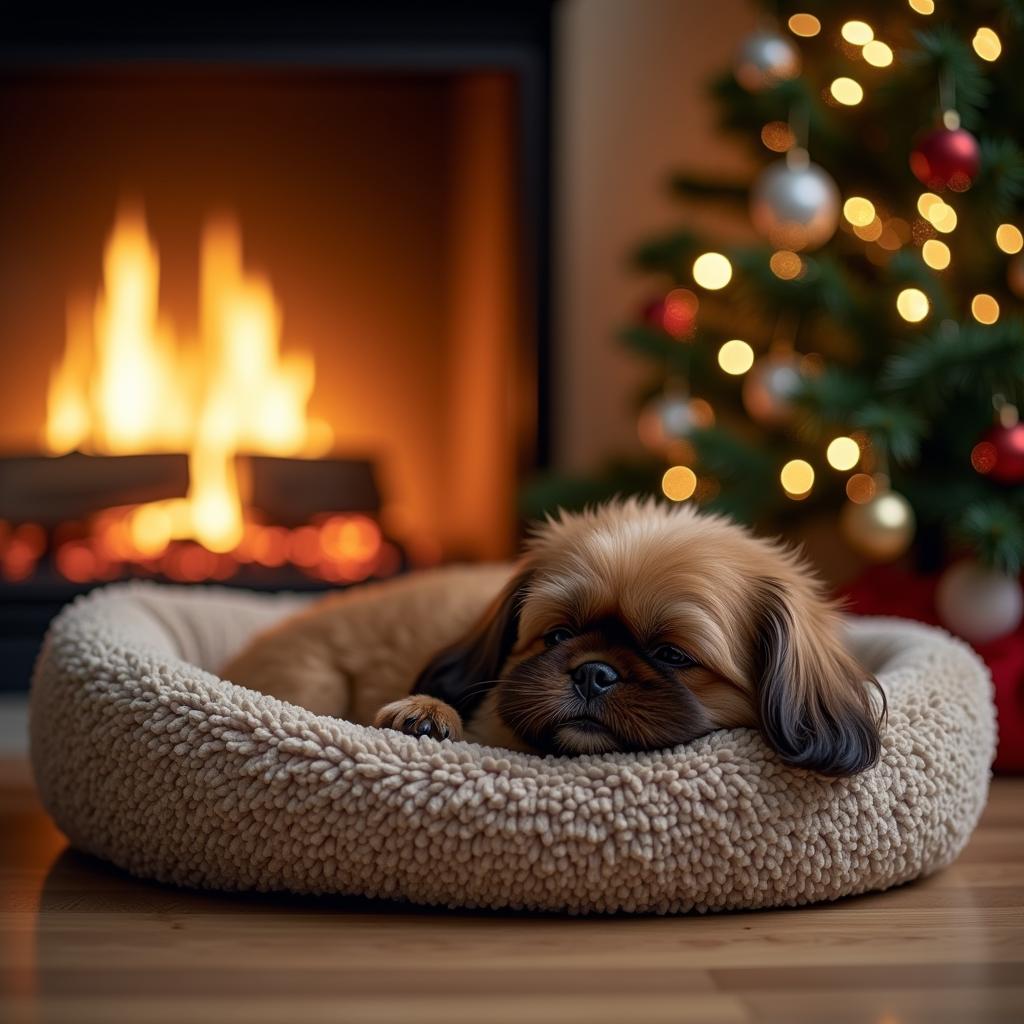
[{"x": 146, "y": 759}]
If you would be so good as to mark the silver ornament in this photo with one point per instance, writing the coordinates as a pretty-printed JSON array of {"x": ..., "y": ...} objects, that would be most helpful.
[
  {"x": 671, "y": 417},
  {"x": 795, "y": 204},
  {"x": 769, "y": 388},
  {"x": 977, "y": 603},
  {"x": 880, "y": 528},
  {"x": 764, "y": 60}
]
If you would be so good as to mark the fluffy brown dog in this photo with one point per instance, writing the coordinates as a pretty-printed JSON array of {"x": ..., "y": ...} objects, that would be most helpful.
[{"x": 635, "y": 626}]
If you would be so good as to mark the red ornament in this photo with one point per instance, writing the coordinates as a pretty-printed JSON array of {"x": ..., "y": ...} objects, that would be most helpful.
[
  {"x": 676, "y": 313},
  {"x": 946, "y": 159},
  {"x": 1000, "y": 454}
]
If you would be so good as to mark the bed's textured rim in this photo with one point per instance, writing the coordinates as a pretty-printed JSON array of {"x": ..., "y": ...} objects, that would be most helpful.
[{"x": 173, "y": 774}]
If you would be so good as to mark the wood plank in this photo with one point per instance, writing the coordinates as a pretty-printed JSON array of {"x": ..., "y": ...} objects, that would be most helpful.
[{"x": 81, "y": 941}]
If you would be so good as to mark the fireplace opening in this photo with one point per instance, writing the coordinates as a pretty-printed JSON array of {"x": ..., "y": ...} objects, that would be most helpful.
[{"x": 260, "y": 324}]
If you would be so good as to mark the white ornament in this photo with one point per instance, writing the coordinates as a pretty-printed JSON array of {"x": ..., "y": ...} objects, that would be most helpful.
[{"x": 977, "y": 603}]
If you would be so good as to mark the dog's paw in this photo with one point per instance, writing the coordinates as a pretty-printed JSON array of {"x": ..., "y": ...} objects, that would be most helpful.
[{"x": 420, "y": 715}]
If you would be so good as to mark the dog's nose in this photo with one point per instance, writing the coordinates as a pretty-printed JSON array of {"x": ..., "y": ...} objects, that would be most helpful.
[{"x": 593, "y": 678}]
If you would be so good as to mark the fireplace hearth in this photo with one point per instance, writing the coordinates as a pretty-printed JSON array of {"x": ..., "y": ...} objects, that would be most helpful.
[{"x": 277, "y": 303}]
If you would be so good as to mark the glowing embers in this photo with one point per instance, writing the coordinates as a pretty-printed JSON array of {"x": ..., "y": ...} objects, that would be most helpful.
[{"x": 133, "y": 541}]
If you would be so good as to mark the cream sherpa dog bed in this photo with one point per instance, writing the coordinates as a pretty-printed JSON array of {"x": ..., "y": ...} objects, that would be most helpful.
[{"x": 149, "y": 761}]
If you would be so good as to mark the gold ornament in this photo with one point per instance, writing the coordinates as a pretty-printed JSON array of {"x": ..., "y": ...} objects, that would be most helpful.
[{"x": 880, "y": 528}]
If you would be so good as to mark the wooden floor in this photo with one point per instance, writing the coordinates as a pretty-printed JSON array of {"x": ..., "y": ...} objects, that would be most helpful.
[{"x": 81, "y": 942}]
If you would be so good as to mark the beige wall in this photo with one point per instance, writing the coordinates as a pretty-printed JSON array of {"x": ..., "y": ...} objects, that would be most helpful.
[{"x": 632, "y": 106}]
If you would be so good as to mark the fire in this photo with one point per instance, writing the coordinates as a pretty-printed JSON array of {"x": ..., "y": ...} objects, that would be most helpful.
[{"x": 127, "y": 385}]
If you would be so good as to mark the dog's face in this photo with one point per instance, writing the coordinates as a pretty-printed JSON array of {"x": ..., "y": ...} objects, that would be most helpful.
[{"x": 639, "y": 626}]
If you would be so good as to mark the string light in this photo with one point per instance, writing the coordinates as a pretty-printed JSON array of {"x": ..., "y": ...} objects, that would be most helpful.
[
  {"x": 736, "y": 357},
  {"x": 912, "y": 304},
  {"x": 922, "y": 6},
  {"x": 797, "y": 478},
  {"x": 859, "y": 211},
  {"x": 843, "y": 453},
  {"x": 1009, "y": 238},
  {"x": 857, "y": 32},
  {"x": 712, "y": 271},
  {"x": 678, "y": 483},
  {"x": 984, "y": 309},
  {"x": 939, "y": 214},
  {"x": 847, "y": 91},
  {"x": 877, "y": 54},
  {"x": 986, "y": 44},
  {"x": 806, "y": 25},
  {"x": 786, "y": 265},
  {"x": 944, "y": 219},
  {"x": 935, "y": 254}
]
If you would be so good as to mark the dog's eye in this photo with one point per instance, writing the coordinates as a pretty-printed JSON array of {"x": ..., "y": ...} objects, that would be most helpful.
[
  {"x": 672, "y": 655},
  {"x": 557, "y": 636}
]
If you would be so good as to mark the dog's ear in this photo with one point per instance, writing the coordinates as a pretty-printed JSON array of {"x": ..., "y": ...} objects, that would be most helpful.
[
  {"x": 815, "y": 700},
  {"x": 463, "y": 673}
]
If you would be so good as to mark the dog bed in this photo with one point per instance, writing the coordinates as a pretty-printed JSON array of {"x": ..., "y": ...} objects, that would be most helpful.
[{"x": 146, "y": 759}]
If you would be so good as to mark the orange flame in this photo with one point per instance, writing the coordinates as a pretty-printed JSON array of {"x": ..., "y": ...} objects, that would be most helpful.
[{"x": 125, "y": 385}]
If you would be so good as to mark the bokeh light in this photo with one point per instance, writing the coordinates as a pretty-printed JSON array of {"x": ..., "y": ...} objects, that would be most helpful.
[
  {"x": 846, "y": 91},
  {"x": 679, "y": 483},
  {"x": 797, "y": 478},
  {"x": 939, "y": 214},
  {"x": 877, "y": 54},
  {"x": 860, "y": 488},
  {"x": 984, "y": 456},
  {"x": 859, "y": 211},
  {"x": 936, "y": 254},
  {"x": 922, "y": 6},
  {"x": 736, "y": 357},
  {"x": 712, "y": 270},
  {"x": 870, "y": 232},
  {"x": 679, "y": 313},
  {"x": 778, "y": 136},
  {"x": 912, "y": 304},
  {"x": 805, "y": 25},
  {"x": 843, "y": 453},
  {"x": 786, "y": 265},
  {"x": 857, "y": 32},
  {"x": 1009, "y": 238},
  {"x": 984, "y": 309},
  {"x": 986, "y": 44}
]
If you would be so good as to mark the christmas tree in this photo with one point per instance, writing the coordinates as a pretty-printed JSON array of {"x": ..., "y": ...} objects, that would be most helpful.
[{"x": 865, "y": 357}]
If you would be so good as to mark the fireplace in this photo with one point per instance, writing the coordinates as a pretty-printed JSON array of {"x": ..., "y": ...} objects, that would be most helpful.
[{"x": 272, "y": 313}]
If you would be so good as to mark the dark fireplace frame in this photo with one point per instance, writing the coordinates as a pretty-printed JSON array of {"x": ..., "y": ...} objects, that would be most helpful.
[{"x": 511, "y": 36}]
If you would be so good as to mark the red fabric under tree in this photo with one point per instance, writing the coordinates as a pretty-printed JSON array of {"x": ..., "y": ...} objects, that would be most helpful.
[{"x": 892, "y": 590}]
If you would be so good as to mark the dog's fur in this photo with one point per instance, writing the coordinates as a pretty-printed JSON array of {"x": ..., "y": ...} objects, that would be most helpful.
[{"x": 689, "y": 622}]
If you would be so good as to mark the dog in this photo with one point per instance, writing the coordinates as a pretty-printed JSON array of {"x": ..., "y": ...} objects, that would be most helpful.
[{"x": 628, "y": 627}]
